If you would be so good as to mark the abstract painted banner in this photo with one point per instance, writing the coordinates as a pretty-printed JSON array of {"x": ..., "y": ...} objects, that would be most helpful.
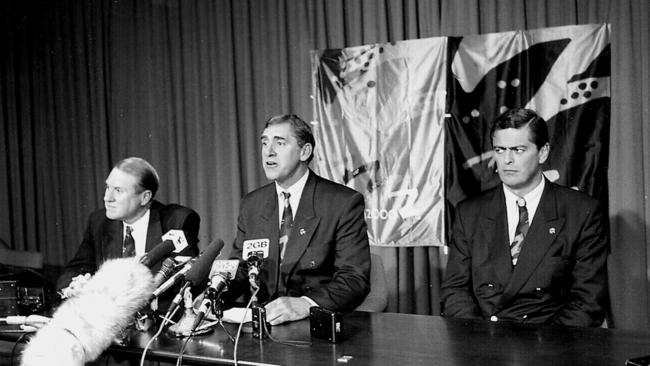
[
  {"x": 563, "y": 73},
  {"x": 407, "y": 123},
  {"x": 379, "y": 113}
]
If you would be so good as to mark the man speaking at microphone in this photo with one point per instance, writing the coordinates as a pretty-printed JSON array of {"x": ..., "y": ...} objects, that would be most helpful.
[
  {"x": 318, "y": 253},
  {"x": 131, "y": 222}
]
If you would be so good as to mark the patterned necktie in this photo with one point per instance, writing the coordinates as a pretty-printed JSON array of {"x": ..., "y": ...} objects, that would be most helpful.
[
  {"x": 287, "y": 222},
  {"x": 520, "y": 232},
  {"x": 128, "y": 246}
]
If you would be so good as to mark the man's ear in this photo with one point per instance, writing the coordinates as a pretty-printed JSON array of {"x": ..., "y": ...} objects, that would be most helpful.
[
  {"x": 543, "y": 153},
  {"x": 145, "y": 198},
  {"x": 305, "y": 151}
]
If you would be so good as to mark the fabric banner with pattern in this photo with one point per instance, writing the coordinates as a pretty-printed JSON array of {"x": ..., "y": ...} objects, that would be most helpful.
[{"x": 407, "y": 123}]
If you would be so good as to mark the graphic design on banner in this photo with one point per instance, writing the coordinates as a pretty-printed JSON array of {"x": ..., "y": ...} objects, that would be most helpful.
[
  {"x": 379, "y": 113},
  {"x": 378, "y": 119},
  {"x": 563, "y": 73}
]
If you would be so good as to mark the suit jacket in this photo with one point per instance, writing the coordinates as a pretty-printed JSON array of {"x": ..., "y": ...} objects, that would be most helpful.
[
  {"x": 327, "y": 257},
  {"x": 102, "y": 239},
  {"x": 561, "y": 274}
]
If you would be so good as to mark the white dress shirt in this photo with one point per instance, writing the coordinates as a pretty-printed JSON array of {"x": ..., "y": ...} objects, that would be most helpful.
[
  {"x": 532, "y": 201},
  {"x": 139, "y": 233}
]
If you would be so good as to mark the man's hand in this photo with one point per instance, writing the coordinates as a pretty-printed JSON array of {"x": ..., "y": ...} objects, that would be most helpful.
[{"x": 286, "y": 309}]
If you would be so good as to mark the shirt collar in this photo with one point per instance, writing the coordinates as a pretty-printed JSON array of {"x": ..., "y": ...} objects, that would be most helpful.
[
  {"x": 533, "y": 197},
  {"x": 141, "y": 225},
  {"x": 296, "y": 189},
  {"x": 139, "y": 233}
]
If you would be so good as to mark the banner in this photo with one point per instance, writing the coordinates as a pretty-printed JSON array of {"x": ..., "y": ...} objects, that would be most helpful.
[
  {"x": 381, "y": 127},
  {"x": 379, "y": 113},
  {"x": 563, "y": 73}
]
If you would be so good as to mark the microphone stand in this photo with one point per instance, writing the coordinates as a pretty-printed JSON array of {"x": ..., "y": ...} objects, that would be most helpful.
[
  {"x": 218, "y": 314},
  {"x": 183, "y": 328},
  {"x": 145, "y": 320},
  {"x": 261, "y": 328}
]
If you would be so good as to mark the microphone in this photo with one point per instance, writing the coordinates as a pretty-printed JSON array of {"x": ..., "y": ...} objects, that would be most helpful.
[
  {"x": 178, "y": 238},
  {"x": 172, "y": 280},
  {"x": 257, "y": 247},
  {"x": 85, "y": 325},
  {"x": 203, "y": 310},
  {"x": 221, "y": 273},
  {"x": 166, "y": 269},
  {"x": 173, "y": 241},
  {"x": 254, "y": 265},
  {"x": 156, "y": 254},
  {"x": 198, "y": 273},
  {"x": 253, "y": 252}
]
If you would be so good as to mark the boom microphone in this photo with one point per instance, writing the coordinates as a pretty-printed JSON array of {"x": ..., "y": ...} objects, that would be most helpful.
[{"x": 85, "y": 325}]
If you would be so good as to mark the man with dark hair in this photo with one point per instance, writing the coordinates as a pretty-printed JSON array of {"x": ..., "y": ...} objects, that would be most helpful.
[
  {"x": 131, "y": 222},
  {"x": 314, "y": 228},
  {"x": 528, "y": 250}
]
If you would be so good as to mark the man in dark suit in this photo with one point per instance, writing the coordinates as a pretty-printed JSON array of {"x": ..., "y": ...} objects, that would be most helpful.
[
  {"x": 528, "y": 250},
  {"x": 320, "y": 255},
  {"x": 131, "y": 222}
]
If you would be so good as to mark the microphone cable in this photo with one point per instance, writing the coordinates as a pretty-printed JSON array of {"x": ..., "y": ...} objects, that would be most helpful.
[
  {"x": 288, "y": 342},
  {"x": 248, "y": 307},
  {"x": 179, "y": 361},
  {"x": 166, "y": 319}
]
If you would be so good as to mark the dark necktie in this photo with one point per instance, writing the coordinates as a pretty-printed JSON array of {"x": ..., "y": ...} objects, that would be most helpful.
[
  {"x": 128, "y": 246},
  {"x": 520, "y": 232},
  {"x": 285, "y": 225}
]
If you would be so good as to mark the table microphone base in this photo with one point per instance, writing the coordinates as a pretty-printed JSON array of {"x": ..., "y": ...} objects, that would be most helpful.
[{"x": 183, "y": 328}]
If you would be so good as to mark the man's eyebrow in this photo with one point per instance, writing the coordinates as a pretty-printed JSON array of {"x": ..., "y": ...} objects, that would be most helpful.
[
  {"x": 264, "y": 137},
  {"x": 508, "y": 147}
]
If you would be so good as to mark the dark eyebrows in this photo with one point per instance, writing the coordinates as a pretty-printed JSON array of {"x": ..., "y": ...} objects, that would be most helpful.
[
  {"x": 510, "y": 147},
  {"x": 274, "y": 138}
]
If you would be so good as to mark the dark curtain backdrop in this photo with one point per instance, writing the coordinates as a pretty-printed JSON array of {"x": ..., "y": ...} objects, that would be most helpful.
[{"x": 187, "y": 84}]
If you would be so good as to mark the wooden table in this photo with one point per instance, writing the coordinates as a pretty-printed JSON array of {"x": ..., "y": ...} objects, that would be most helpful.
[{"x": 404, "y": 340}]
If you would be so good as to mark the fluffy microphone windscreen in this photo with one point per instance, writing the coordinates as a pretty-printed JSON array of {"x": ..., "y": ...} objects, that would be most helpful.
[{"x": 85, "y": 325}]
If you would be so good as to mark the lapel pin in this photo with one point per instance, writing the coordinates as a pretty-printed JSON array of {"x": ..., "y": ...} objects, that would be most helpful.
[
  {"x": 551, "y": 231},
  {"x": 302, "y": 231}
]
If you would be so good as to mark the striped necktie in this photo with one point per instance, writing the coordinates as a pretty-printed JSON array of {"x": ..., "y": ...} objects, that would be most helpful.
[
  {"x": 520, "y": 232},
  {"x": 287, "y": 222},
  {"x": 128, "y": 245}
]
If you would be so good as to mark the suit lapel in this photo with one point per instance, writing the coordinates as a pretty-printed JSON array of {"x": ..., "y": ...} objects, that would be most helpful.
[
  {"x": 543, "y": 231},
  {"x": 112, "y": 239},
  {"x": 269, "y": 219},
  {"x": 269, "y": 228},
  {"x": 304, "y": 226},
  {"x": 154, "y": 230},
  {"x": 494, "y": 228}
]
